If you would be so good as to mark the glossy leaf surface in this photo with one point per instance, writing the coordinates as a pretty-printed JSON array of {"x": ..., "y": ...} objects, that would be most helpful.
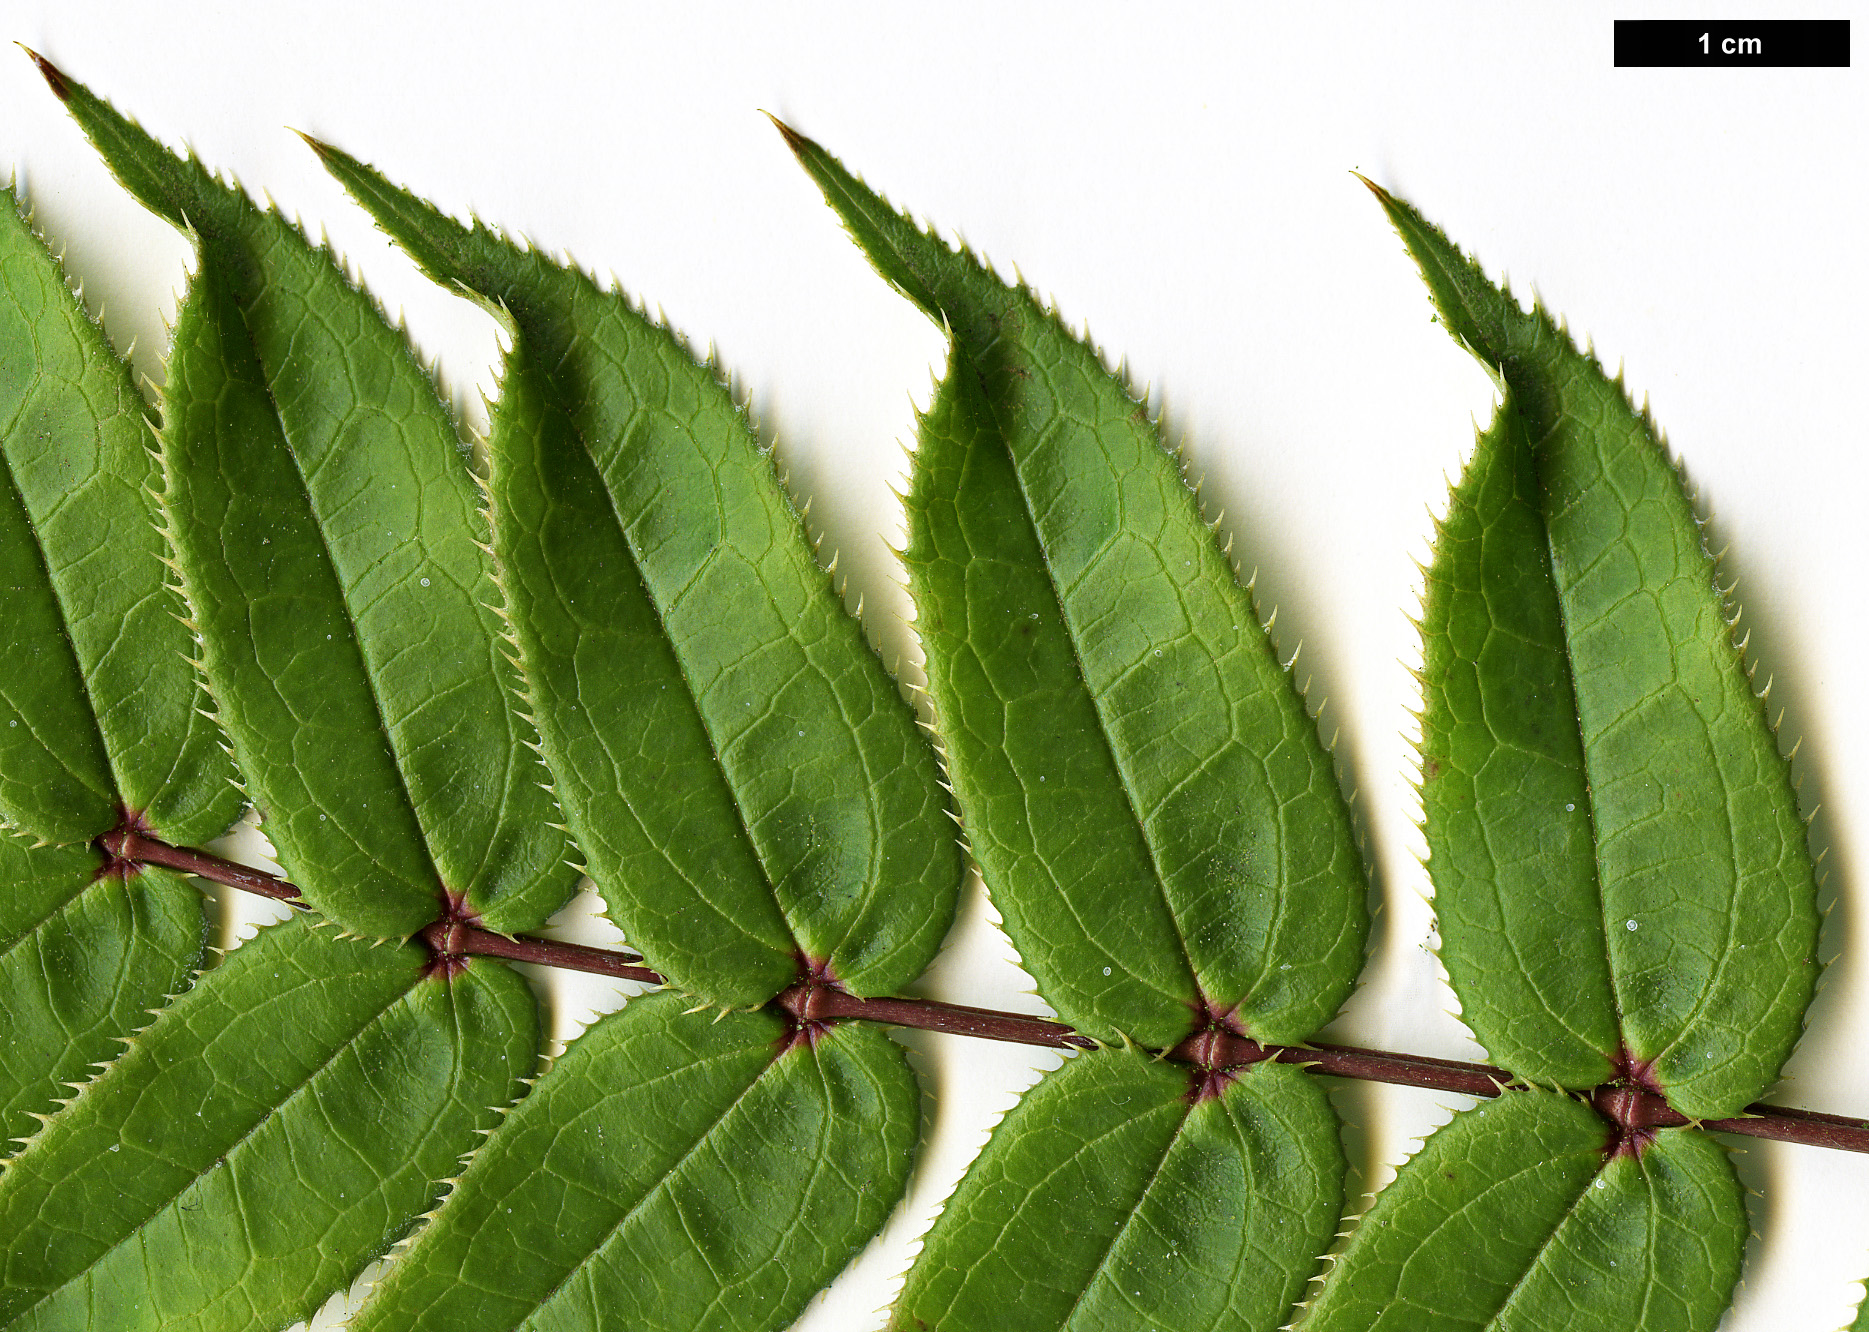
[
  {"x": 331, "y": 552},
  {"x": 672, "y": 1171},
  {"x": 1105, "y": 1200},
  {"x": 278, "y": 1127},
  {"x": 1511, "y": 1217},
  {"x": 1149, "y": 802},
  {"x": 1580, "y": 654},
  {"x": 739, "y": 769}
]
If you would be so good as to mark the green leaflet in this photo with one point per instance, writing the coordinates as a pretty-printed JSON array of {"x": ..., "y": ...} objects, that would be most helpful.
[
  {"x": 99, "y": 703},
  {"x": 1105, "y": 1201},
  {"x": 1685, "y": 824},
  {"x": 1150, "y": 804},
  {"x": 1506, "y": 799},
  {"x": 1510, "y": 1218},
  {"x": 671, "y": 1172},
  {"x": 1164, "y": 833},
  {"x": 100, "y": 707},
  {"x": 81, "y": 960},
  {"x": 740, "y": 770},
  {"x": 329, "y": 544},
  {"x": 278, "y": 1127}
]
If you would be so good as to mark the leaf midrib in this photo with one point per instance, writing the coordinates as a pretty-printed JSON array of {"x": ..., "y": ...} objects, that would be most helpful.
[
  {"x": 1685, "y": 1022},
  {"x": 267, "y": 1116},
  {"x": 655, "y": 1189},
  {"x": 1129, "y": 1217},
  {"x": 694, "y": 704},
  {"x": 1494, "y": 1324},
  {"x": 1097, "y": 700},
  {"x": 66, "y": 641},
  {"x": 1553, "y": 572},
  {"x": 25, "y": 936},
  {"x": 1403, "y": 1283},
  {"x": 357, "y": 638}
]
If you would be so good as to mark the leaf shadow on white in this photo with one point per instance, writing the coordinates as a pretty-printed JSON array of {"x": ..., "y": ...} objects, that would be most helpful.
[{"x": 1829, "y": 1041}]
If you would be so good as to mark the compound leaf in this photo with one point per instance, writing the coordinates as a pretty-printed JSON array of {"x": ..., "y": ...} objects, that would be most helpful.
[
  {"x": 673, "y": 1171},
  {"x": 1591, "y": 733},
  {"x": 333, "y": 555},
  {"x": 1106, "y": 1199},
  {"x": 743, "y": 775},
  {"x": 1150, "y": 804},
  {"x": 1515, "y": 1215},
  {"x": 274, "y": 1130}
]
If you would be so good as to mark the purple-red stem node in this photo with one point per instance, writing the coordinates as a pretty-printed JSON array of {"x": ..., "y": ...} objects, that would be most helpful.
[{"x": 1632, "y": 1105}]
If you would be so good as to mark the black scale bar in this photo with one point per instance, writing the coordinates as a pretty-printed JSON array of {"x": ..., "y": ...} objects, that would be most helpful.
[{"x": 1762, "y": 43}]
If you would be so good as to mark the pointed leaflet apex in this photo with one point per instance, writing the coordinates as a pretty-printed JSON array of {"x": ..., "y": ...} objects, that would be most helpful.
[
  {"x": 1611, "y": 810},
  {"x": 1124, "y": 683},
  {"x": 892, "y": 243},
  {"x": 307, "y": 452},
  {"x": 791, "y": 805},
  {"x": 1470, "y": 306},
  {"x": 54, "y": 77}
]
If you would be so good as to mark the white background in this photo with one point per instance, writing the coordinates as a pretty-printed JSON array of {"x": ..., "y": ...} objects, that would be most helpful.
[{"x": 1179, "y": 177}]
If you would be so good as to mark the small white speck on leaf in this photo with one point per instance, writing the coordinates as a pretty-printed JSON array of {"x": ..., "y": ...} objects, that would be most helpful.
[
  {"x": 1106, "y": 971},
  {"x": 1632, "y": 926},
  {"x": 1570, "y": 809},
  {"x": 424, "y": 582}
]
